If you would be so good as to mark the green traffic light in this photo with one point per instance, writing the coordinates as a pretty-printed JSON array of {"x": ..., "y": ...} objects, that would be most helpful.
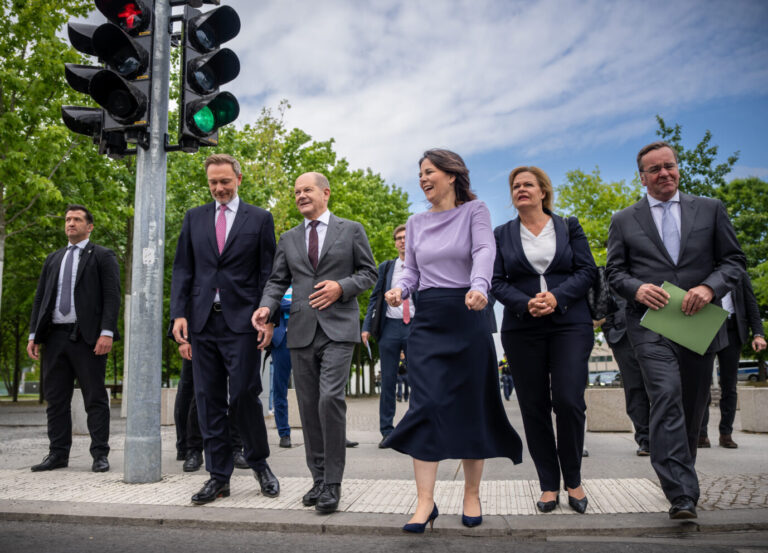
[
  {"x": 220, "y": 111},
  {"x": 205, "y": 120}
]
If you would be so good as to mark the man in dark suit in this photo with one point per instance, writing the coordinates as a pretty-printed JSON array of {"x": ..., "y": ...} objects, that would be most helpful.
[
  {"x": 743, "y": 316},
  {"x": 328, "y": 261},
  {"x": 75, "y": 316},
  {"x": 688, "y": 241},
  {"x": 390, "y": 326},
  {"x": 223, "y": 258},
  {"x": 636, "y": 399}
]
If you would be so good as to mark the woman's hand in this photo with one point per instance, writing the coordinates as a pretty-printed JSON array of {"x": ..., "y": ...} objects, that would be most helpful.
[
  {"x": 393, "y": 297},
  {"x": 475, "y": 300},
  {"x": 541, "y": 305}
]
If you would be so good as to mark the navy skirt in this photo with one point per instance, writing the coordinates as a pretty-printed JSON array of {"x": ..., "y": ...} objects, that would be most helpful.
[{"x": 455, "y": 410}]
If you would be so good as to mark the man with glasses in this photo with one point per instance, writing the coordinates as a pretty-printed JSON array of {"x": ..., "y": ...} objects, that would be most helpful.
[
  {"x": 688, "y": 241},
  {"x": 390, "y": 326}
]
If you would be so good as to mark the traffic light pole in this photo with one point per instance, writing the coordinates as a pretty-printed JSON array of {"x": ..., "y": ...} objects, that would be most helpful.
[{"x": 142, "y": 441}]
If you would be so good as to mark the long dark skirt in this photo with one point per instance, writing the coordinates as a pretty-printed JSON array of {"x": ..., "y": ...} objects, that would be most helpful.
[{"x": 455, "y": 410}]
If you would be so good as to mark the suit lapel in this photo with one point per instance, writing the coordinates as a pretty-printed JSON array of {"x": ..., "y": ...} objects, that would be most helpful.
[
  {"x": 688, "y": 210},
  {"x": 331, "y": 235},
  {"x": 517, "y": 243},
  {"x": 85, "y": 257},
  {"x": 299, "y": 241},
  {"x": 209, "y": 214},
  {"x": 241, "y": 216},
  {"x": 645, "y": 220},
  {"x": 389, "y": 275},
  {"x": 562, "y": 238}
]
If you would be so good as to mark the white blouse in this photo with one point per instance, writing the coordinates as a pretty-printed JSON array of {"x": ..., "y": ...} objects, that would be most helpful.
[{"x": 540, "y": 250}]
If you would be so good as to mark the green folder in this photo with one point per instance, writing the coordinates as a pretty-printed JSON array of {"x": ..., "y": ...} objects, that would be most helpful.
[{"x": 694, "y": 332}]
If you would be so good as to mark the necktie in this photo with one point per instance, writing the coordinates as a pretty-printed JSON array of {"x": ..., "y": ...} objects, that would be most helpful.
[
  {"x": 313, "y": 243},
  {"x": 406, "y": 311},
  {"x": 221, "y": 228},
  {"x": 65, "y": 303},
  {"x": 669, "y": 233}
]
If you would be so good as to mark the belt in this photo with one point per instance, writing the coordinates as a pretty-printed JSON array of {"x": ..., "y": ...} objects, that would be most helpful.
[
  {"x": 217, "y": 306},
  {"x": 68, "y": 327}
]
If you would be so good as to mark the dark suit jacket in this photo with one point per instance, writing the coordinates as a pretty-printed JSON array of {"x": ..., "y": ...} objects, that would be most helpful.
[
  {"x": 240, "y": 272},
  {"x": 345, "y": 257},
  {"x": 615, "y": 325},
  {"x": 709, "y": 254},
  {"x": 569, "y": 275},
  {"x": 97, "y": 294},
  {"x": 383, "y": 284},
  {"x": 747, "y": 312}
]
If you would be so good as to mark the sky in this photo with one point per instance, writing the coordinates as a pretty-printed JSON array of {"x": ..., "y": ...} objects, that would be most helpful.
[{"x": 559, "y": 84}]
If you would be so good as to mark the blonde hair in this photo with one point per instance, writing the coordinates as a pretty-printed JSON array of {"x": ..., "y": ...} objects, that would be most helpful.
[{"x": 541, "y": 177}]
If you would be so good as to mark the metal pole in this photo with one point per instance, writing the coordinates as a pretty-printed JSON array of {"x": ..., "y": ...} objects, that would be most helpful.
[{"x": 142, "y": 438}]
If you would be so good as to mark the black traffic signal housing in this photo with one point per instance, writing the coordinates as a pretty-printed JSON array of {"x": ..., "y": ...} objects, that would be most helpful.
[
  {"x": 122, "y": 87},
  {"x": 205, "y": 67}
]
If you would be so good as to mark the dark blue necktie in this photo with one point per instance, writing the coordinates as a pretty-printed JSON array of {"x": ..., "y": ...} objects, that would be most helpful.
[{"x": 65, "y": 304}]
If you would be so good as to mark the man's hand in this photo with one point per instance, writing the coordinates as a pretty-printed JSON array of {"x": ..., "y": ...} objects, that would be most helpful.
[
  {"x": 328, "y": 291},
  {"x": 260, "y": 317},
  {"x": 758, "y": 343},
  {"x": 652, "y": 296},
  {"x": 696, "y": 298},
  {"x": 103, "y": 345},
  {"x": 33, "y": 350},
  {"x": 394, "y": 297},
  {"x": 265, "y": 335},
  {"x": 185, "y": 350},
  {"x": 180, "y": 330},
  {"x": 475, "y": 300},
  {"x": 364, "y": 336}
]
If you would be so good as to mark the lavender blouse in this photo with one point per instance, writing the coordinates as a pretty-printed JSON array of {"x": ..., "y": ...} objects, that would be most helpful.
[{"x": 449, "y": 249}]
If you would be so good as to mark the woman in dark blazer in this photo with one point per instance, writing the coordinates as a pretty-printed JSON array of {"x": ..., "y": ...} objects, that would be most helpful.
[{"x": 542, "y": 272}]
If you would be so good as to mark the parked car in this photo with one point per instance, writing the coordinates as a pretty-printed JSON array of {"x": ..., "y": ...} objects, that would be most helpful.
[
  {"x": 748, "y": 370},
  {"x": 604, "y": 378}
]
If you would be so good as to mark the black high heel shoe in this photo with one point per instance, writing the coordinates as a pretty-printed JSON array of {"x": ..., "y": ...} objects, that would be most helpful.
[
  {"x": 548, "y": 506},
  {"x": 418, "y": 527},
  {"x": 578, "y": 505}
]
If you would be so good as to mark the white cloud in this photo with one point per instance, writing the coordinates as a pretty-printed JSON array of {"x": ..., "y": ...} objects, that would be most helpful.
[
  {"x": 742, "y": 172},
  {"x": 390, "y": 79}
]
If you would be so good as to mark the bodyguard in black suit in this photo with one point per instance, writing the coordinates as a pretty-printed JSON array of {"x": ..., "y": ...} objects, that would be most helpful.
[
  {"x": 74, "y": 316},
  {"x": 744, "y": 315},
  {"x": 223, "y": 258},
  {"x": 389, "y": 327},
  {"x": 688, "y": 241}
]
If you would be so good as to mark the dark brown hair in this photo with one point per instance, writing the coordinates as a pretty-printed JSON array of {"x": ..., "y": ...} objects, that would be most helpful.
[
  {"x": 398, "y": 230},
  {"x": 78, "y": 207},
  {"x": 451, "y": 163},
  {"x": 658, "y": 145}
]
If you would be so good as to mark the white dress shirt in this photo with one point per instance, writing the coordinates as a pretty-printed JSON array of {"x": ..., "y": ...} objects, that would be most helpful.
[
  {"x": 397, "y": 312},
  {"x": 321, "y": 230},
  {"x": 229, "y": 216},
  {"x": 540, "y": 250},
  {"x": 657, "y": 211}
]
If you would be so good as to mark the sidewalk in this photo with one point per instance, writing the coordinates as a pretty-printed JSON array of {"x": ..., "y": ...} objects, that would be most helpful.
[{"x": 378, "y": 492}]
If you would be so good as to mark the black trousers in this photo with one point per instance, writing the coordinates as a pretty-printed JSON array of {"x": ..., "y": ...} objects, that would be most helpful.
[
  {"x": 728, "y": 358},
  {"x": 188, "y": 436},
  {"x": 226, "y": 365},
  {"x": 65, "y": 360},
  {"x": 638, "y": 404},
  {"x": 549, "y": 366}
]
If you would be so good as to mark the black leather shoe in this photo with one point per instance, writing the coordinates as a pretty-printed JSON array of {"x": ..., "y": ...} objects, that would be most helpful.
[
  {"x": 682, "y": 508},
  {"x": 193, "y": 461},
  {"x": 310, "y": 498},
  {"x": 270, "y": 487},
  {"x": 381, "y": 443},
  {"x": 50, "y": 462},
  {"x": 350, "y": 443},
  {"x": 643, "y": 451},
  {"x": 285, "y": 441},
  {"x": 548, "y": 506},
  {"x": 328, "y": 501},
  {"x": 727, "y": 441},
  {"x": 240, "y": 461},
  {"x": 210, "y": 491},
  {"x": 703, "y": 442},
  {"x": 100, "y": 464},
  {"x": 578, "y": 505},
  {"x": 181, "y": 455}
]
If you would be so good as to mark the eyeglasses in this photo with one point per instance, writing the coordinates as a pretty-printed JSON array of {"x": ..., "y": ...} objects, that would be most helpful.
[
  {"x": 399, "y": 238},
  {"x": 656, "y": 169}
]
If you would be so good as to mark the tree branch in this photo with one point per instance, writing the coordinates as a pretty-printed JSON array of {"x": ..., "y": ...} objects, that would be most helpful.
[{"x": 21, "y": 211}]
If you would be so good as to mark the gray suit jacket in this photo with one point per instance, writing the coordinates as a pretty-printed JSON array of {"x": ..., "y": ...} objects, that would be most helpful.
[
  {"x": 345, "y": 257},
  {"x": 709, "y": 254}
]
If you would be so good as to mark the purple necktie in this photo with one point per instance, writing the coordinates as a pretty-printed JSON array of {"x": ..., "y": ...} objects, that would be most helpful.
[
  {"x": 221, "y": 228},
  {"x": 65, "y": 303},
  {"x": 313, "y": 243}
]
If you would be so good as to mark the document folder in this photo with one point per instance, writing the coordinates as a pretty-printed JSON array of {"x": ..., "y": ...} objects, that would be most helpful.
[{"x": 694, "y": 332}]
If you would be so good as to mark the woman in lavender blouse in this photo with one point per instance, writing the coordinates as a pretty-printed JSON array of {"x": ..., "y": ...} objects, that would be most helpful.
[{"x": 455, "y": 410}]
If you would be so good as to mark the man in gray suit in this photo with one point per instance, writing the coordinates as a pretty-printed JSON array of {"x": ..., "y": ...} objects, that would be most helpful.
[
  {"x": 688, "y": 241},
  {"x": 328, "y": 261}
]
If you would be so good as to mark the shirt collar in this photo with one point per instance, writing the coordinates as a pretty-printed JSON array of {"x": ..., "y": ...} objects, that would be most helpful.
[
  {"x": 82, "y": 244},
  {"x": 233, "y": 204},
  {"x": 324, "y": 218},
  {"x": 654, "y": 202}
]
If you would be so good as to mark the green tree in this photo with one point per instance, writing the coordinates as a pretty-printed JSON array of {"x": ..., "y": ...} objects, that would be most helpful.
[
  {"x": 594, "y": 201},
  {"x": 700, "y": 174}
]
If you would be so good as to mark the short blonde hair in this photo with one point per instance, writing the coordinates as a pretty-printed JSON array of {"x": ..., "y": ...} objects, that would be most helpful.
[{"x": 541, "y": 177}]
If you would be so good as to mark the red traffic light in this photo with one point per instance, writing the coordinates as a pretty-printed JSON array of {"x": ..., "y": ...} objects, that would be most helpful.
[{"x": 132, "y": 16}]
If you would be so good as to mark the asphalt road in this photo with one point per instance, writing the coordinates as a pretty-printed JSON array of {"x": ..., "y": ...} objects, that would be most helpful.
[{"x": 86, "y": 538}]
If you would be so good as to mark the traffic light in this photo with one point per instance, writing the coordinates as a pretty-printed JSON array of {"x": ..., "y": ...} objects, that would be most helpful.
[
  {"x": 122, "y": 86},
  {"x": 205, "y": 67}
]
